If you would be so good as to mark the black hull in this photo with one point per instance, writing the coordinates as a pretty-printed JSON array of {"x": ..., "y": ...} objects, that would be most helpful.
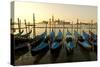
[
  {"x": 22, "y": 40},
  {"x": 34, "y": 53},
  {"x": 55, "y": 51},
  {"x": 84, "y": 48},
  {"x": 55, "y": 54},
  {"x": 69, "y": 51},
  {"x": 94, "y": 47},
  {"x": 21, "y": 50}
]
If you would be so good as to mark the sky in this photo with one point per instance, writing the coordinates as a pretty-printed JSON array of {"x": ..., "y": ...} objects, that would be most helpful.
[{"x": 44, "y": 11}]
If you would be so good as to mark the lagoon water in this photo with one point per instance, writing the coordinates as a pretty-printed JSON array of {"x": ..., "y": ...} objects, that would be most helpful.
[{"x": 40, "y": 28}]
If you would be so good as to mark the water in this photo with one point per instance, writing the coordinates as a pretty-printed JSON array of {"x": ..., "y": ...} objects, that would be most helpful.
[{"x": 40, "y": 28}]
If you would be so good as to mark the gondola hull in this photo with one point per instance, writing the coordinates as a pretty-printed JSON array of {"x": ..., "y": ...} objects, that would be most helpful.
[
  {"x": 55, "y": 48},
  {"x": 85, "y": 45},
  {"x": 82, "y": 41},
  {"x": 69, "y": 47},
  {"x": 37, "y": 40},
  {"x": 94, "y": 45},
  {"x": 43, "y": 47},
  {"x": 69, "y": 43},
  {"x": 21, "y": 50}
]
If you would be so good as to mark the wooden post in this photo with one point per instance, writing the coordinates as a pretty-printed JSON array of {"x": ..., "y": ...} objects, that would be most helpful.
[
  {"x": 50, "y": 24},
  {"x": 63, "y": 27},
  {"x": 19, "y": 25},
  {"x": 80, "y": 27},
  {"x": 72, "y": 28},
  {"x": 58, "y": 22},
  {"x": 77, "y": 24},
  {"x": 91, "y": 24},
  {"x": 67, "y": 28},
  {"x": 46, "y": 29},
  {"x": 25, "y": 25},
  {"x": 53, "y": 23},
  {"x": 29, "y": 26},
  {"x": 34, "y": 34}
]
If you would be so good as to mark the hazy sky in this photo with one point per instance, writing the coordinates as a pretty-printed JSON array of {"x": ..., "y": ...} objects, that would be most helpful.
[{"x": 44, "y": 11}]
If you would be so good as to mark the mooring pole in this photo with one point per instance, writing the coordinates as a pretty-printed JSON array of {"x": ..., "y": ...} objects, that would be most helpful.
[
  {"x": 72, "y": 28},
  {"x": 53, "y": 23},
  {"x": 63, "y": 27},
  {"x": 77, "y": 24},
  {"x": 67, "y": 27},
  {"x": 34, "y": 34},
  {"x": 50, "y": 24},
  {"x": 25, "y": 25},
  {"x": 46, "y": 29},
  {"x": 80, "y": 27},
  {"x": 29, "y": 26},
  {"x": 19, "y": 25},
  {"x": 91, "y": 24}
]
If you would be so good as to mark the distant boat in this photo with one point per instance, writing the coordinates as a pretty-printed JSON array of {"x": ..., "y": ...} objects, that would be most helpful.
[
  {"x": 42, "y": 47},
  {"x": 69, "y": 43}
]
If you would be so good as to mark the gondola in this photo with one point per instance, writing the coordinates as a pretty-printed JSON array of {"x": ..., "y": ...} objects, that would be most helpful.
[
  {"x": 23, "y": 38},
  {"x": 26, "y": 35},
  {"x": 37, "y": 40},
  {"x": 82, "y": 42},
  {"x": 52, "y": 37},
  {"x": 69, "y": 45},
  {"x": 18, "y": 34},
  {"x": 93, "y": 40},
  {"x": 57, "y": 44},
  {"x": 21, "y": 49},
  {"x": 85, "y": 35},
  {"x": 42, "y": 47}
]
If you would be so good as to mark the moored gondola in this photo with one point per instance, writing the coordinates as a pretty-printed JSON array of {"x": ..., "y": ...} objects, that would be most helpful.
[
  {"x": 21, "y": 49},
  {"x": 42, "y": 47},
  {"x": 37, "y": 40},
  {"x": 93, "y": 40},
  {"x": 69, "y": 44},
  {"x": 22, "y": 38},
  {"x": 18, "y": 34},
  {"x": 57, "y": 44},
  {"x": 82, "y": 41},
  {"x": 52, "y": 37},
  {"x": 25, "y": 35}
]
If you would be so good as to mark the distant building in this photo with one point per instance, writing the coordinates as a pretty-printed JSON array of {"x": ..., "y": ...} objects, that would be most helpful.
[{"x": 57, "y": 21}]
